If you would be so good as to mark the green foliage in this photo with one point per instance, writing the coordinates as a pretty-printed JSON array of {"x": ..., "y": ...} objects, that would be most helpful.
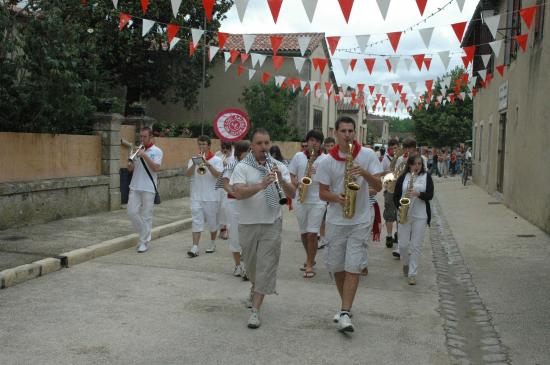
[
  {"x": 186, "y": 130},
  {"x": 444, "y": 125},
  {"x": 268, "y": 107},
  {"x": 373, "y": 134},
  {"x": 398, "y": 125}
]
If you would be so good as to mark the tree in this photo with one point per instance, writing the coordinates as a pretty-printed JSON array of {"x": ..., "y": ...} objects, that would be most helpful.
[
  {"x": 448, "y": 124},
  {"x": 268, "y": 107},
  {"x": 398, "y": 125}
]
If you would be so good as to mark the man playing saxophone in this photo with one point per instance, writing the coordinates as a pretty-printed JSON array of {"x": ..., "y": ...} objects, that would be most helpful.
[
  {"x": 347, "y": 233},
  {"x": 309, "y": 209}
]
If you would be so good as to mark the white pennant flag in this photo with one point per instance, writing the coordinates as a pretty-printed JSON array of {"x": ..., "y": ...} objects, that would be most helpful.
[
  {"x": 176, "y": 7},
  {"x": 115, "y": 3},
  {"x": 460, "y": 4},
  {"x": 473, "y": 81},
  {"x": 304, "y": 43},
  {"x": 445, "y": 58},
  {"x": 345, "y": 64},
  {"x": 413, "y": 87},
  {"x": 310, "y": 6},
  {"x": 241, "y": 8},
  {"x": 227, "y": 65},
  {"x": 482, "y": 74},
  {"x": 447, "y": 82},
  {"x": 261, "y": 59},
  {"x": 496, "y": 46},
  {"x": 408, "y": 63},
  {"x": 492, "y": 23},
  {"x": 226, "y": 56},
  {"x": 426, "y": 106},
  {"x": 251, "y": 73},
  {"x": 196, "y": 34},
  {"x": 146, "y": 26},
  {"x": 395, "y": 62},
  {"x": 463, "y": 95},
  {"x": 362, "y": 41},
  {"x": 254, "y": 59},
  {"x": 440, "y": 98},
  {"x": 470, "y": 95},
  {"x": 426, "y": 35},
  {"x": 486, "y": 58},
  {"x": 385, "y": 89},
  {"x": 279, "y": 80},
  {"x": 303, "y": 84},
  {"x": 299, "y": 63},
  {"x": 212, "y": 51},
  {"x": 173, "y": 43},
  {"x": 248, "y": 40},
  {"x": 383, "y": 5}
]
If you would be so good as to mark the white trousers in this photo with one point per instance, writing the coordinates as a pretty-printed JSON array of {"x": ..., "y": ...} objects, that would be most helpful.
[
  {"x": 232, "y": 215},
  {"x": 411, "y": 237},
  {"x": 140, "y": 211}
]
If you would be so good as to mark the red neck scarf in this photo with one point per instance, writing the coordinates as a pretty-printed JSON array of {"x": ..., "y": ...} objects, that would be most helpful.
[
  {"x": 209, "y": 155},
  {"x": 149, "y": 146},
  {"x": 334, "y": 152}
]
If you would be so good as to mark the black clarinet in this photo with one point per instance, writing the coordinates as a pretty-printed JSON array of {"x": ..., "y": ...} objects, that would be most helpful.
[{"x": 282, "y": 198}]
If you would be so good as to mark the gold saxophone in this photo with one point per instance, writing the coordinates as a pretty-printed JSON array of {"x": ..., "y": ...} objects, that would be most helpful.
[
  {"x": 390, "y": 179},
  {"x": 306, "y": 180},
  {"x": 350, "y": 186},
  {"x": 405, "y": 202}
]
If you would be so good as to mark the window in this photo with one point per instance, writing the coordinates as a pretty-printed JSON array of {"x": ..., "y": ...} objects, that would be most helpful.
[
  {"x": 317, "y": 119},
  {"x": 513, "y": 28},
  {"x": 539, "y": 20}
]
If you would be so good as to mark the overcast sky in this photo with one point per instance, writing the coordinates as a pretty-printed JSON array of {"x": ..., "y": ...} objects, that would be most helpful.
[{"x": 365, "y": 19}]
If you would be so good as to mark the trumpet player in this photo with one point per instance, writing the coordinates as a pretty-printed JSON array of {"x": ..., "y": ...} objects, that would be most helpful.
[
  {"x": 347, "y": 232},
  {"x": 260, "y": 182},
  {"x": 204, "y": 197},
  {"x": 416, "y": 185},
  {"x": 309, "y": 209}
]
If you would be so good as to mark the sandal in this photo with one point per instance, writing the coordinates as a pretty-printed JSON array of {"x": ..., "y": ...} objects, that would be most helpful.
[
  {"x": 303, "y": 268},
  {"x": 224, "y": 234},
  {"x": 308, "y": 274}
]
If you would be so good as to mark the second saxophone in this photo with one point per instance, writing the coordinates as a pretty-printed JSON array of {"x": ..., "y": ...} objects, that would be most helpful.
[
  {"x": 350, "y": 186},
  {"x": 306, "y": 180},
  {"x": 405, "y": 203}
]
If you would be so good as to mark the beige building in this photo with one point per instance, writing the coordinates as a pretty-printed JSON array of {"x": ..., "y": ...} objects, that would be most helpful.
[
  {"x": 511, "y": 128},
  {"x": 314, "y": 110}
]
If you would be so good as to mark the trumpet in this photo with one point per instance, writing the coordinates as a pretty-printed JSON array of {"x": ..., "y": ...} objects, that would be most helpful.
[
  {"x": 201, "y": 170},
  {"x": 282, "y": 198},
  {"x": 134, "y": 153}
]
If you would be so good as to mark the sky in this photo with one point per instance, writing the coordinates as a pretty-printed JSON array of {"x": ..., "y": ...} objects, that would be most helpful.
[{"x": 366, "y": 18}]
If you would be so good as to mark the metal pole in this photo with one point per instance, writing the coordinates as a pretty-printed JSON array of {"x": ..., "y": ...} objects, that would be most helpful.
[{"x": 203, "y": 75}]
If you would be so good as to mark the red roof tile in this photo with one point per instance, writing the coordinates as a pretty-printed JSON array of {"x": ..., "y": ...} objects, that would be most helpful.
[{"x": 262, "y": 42}]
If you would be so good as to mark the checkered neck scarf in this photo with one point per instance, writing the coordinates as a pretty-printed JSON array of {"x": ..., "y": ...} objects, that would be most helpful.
[
  {"x": 271, "y": 195},
  {"x": 227, "y": 169}
]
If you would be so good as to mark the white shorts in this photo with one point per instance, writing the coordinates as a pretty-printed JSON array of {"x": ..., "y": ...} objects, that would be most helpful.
[
  {"x": 347, "y": 247},
  {"x": 310, "y": 217},
  {"x": 222, "y": 214},
  {"x": 201, "y": 211},
  {"x": 232, "y": 211}
]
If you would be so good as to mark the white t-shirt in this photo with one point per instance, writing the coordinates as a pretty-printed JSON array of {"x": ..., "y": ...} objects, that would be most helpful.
[
  {"x": 386, "y": 162},
  {"x": 298, "y": 167},
  {"x": 140, "y": 180},
  {"x": 401, "y": 159},
  {"x": 418, "y": 206},
  {"x": 203, "y": 186},
  {"x": 254, "y": 210},
  {"x": 331, "y": 172}
]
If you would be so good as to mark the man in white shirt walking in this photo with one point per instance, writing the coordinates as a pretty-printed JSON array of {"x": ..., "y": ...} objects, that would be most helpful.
[
  {"x": 142, "y": 189},
  {"x": 347, "y": 237}
]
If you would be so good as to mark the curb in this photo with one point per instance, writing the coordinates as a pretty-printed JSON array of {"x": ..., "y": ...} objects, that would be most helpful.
[{"x": 20, "y": 274}]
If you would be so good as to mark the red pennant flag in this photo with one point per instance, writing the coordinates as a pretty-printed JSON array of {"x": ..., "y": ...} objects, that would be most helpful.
[
  {"x": 192, "y": 49},
  {"x": 419, "y": 59},
  {"x": 474, "y": 91},
  {"x": 208, "y": 6},
  {"x": 470, "y": 52},
  {"x": 527, "y": 14},
  {"x": 522, "y": 41},
  {"x": 360, "y": 87},
  {"x": 283, "y": 85},
  {"x": 124, "y": 19},
  {"x": 234, "y": 55},
  {"x": 276, "y": 41},
  {"x": 328, "y": 85},
  {"x": 421, "y": 5},
  {"x": 352, "y": 64},
  {"x": 171, "y": 31},
  {"x": 500, "y": 69},
  {"x": 452, "y": 97},
  {"x": 371, "y": 89},
  {"x": 337, "y": 98},
  {"x": 465, "y": 77},
  {"x": 333, "y": 43},
  {"x": 370, "y": 64},
  {"x": 395, "y": 86},
  {"x": 265, "y": 77},
  {"x": 306, "y": 90},
  {"x": 457, "y": 89},
  {"x": 346, "y": 6},
  {"x": 429, "y": 85},
  {"x": 278, "y": 62},
  {"x": 320, "y": 63},
  {"x": 144, "y": 6},
  {"x": 275, "y": 7},
  {"x": 458, "y": 84},
  {"x": 489, "y": 77},
  {"x": 388, "y": 64},
  {"x": 394, "y": 38},
  {"x": 240, "y": 70},
  {"x": 378, "y": 96},
  {"x": 465, "y": 61},
  {"x": 383, "y": 100},
  {"x": 353, "y": 96},
  {"x": 459, "y": 30},
  {"x": 222, "y": 38},
  {"x": 427, "y": 62},
  {"x": 400, "y": 88},
  {"x": 244, "y": 57}
]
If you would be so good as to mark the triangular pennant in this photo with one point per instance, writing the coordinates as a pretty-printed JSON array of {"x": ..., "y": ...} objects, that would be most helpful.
[
  {"x": 226, "y": 56},
  {"x": 115, "y": 4},
  {"x": 460, "y": 4},
  {"x": 408, "y": 63},
  {"x": 146, "y": 26},
  {"x": 482, "y": 74},
  {"x": 394, "y": 38},
  {"x": 261, "y": 59},
  {"x": 496, "y": 46},
  {"x": 486, "y": 58},
  {"x": 124, "y": 19},
  {"x": 265, "y": 77},
  {"x": 527, "y": 15},
  {"x": 241, "y": 6},
  {"x": 345, "y": 64},
  {"x": 276, "y": 41},
  {"x": 395, "y": 62},
  {"x": 462, "y": 95},
  {"x": 429, "y": 84},
  {"x": 303, "y": 42},
  {"x": 319, "y": 63},
  {"x": 346, "y": 6},
  {"x": 248, "y": 40},
  {"x": 445, "y": 58},
  {"x": 173, "y": 43},
  {"x": 171, "y": 31},
  {"x": 388, "y": 64},
  {"x": 275, "y": 7},
  {"x": 500, "y": 69},
  {"x": 419, "y": 59},
  {"x": 328, "y": 87},
  {"x": 299, "y": 63},
  {"x": 492, "y": 23},
  {"x": 522, "y": 41},
  {"x": 196, "y": 34},
  {"x": 369, "y": 62},
  {"x": 459, "y": 30},
  {"x": 278, "y": 62},
  {"x": 303, "y": 84},
  {"x": 240, "y": 70},
  {"x": 144, "y": 6},
  {"x": 361, "y": 87},
  {"x": 427, "y": 62},
  {"x": 306, "y": 90},
  {"x": 421, "y": 5},
  {"x": 465, "y": 61},
  {"x": 371, "y": 89},
  {"x": 333, "y": 43},
  {"x": 222, "y": 38},
  {"x": 426, "y": 35},
  {"x": 175, "y": 7},
  {"x": 383, "y": 5},
  {"x": 362, "y": 41},
  {"x": 212, "y": 50},
  {"x": 192, "y": 49},
  {"x": 251, "y": 73},
  {"x": 310, "y": 6},
  {"x": 352, "y": 63},
  {"x": 234, "y": 55},
  {"x": 244, "y": 57},
  {"x": 470, "y": 52},
  {"x": 208, "y": 6}
]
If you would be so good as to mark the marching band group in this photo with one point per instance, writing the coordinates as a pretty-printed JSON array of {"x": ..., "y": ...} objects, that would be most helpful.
[{"x": 333, "y": 190}]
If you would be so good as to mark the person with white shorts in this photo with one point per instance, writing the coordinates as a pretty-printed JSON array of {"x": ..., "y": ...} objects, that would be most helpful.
[
  {"x": 347, "y": 237},
  {"x": 204, "y": 197}
]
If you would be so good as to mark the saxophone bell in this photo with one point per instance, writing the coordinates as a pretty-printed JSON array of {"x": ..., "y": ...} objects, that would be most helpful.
[{"x": 306, "y": 181}]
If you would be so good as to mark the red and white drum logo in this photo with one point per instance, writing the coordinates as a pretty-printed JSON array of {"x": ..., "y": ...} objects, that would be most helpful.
[{"x": 231, "y": 125}]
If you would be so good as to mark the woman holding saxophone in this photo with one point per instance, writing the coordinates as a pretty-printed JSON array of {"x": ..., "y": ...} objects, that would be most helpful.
[{"x": 413, "y": 191}]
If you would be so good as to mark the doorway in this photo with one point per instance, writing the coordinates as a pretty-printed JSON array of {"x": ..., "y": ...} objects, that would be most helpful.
[{"x": 501, "y": 152}]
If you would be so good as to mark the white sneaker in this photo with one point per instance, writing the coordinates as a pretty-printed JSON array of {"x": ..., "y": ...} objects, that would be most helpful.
[
  {"x": 337, "y": 316},
  {"x": 395, "y": 252},
  {"x": 193, "y": 252},
  {"x": 143, "y": 247},
  {"x": 249, "y": 299},
  {"x": 344, "y": 323},
  {"x": 211, "y": 248},
  {"x": 254, "y": 319},
  {"x": 238, "y": 271}
]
